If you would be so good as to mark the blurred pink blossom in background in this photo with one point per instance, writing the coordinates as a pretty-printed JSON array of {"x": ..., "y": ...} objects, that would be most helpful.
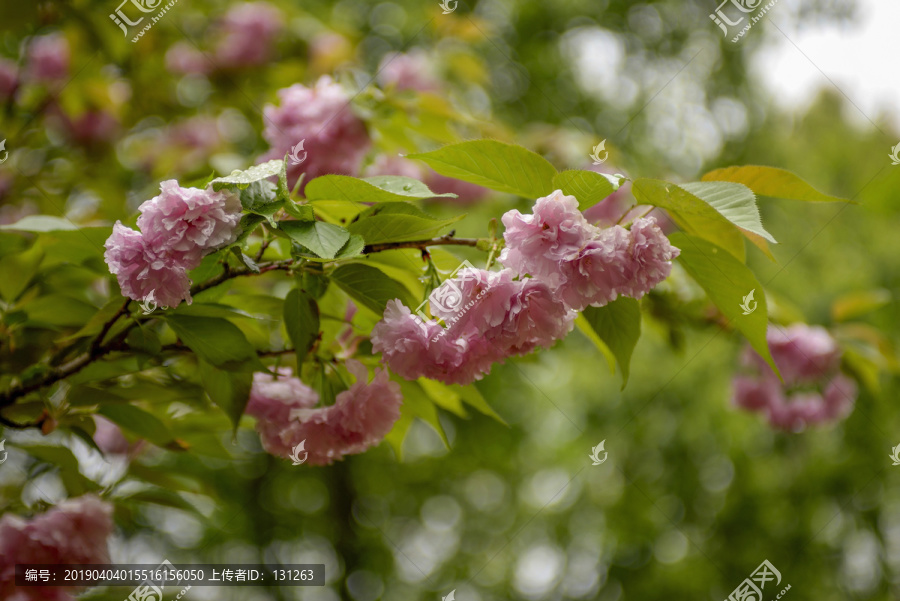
[
  {"x": 73, "y": 532},
  {"x": 48, "y": 58},
  {"x": 814, "y": 390},
  {"x": 336, "y": 140}
]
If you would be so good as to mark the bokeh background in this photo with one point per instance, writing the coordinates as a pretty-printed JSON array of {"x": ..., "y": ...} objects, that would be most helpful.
[{"x": 695, "y": 494}]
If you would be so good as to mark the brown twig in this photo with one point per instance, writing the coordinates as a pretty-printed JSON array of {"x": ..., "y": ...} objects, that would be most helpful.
[
  {"x": 98, "y": 349},
  {"x": 447, "y": 240}
]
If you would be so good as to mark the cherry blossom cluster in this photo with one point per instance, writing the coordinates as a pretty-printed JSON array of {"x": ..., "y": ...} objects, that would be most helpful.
[
  {"x": 248, "y": 33},
  {"x": 583, "y": 264},
  {"x": 814, "y": 390},
  {"x": 178, "y": 228},
  {"x": 556, "y": 264},
  {"x": 286, "y": 414},
  {"x": 74, "y": 531},
  {"x": 335, "y": 139}
]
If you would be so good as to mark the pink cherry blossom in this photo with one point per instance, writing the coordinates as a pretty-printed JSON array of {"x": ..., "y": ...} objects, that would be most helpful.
[
  {"x": 584, "y": 264},
  {"x": 189, "y": 222},
  {"x": 489, "y": 317},
  {"x": 413, "y": 347},
  {"x": 335, "y": 139},
  {"x": 650, "y": 258},
  {"x": 250, "y": 29},
  {"x": 598, "y": 272},
  {"x": 803, "y": 353},
  {"x": 410, "y": 71},
  {"x": 814, "y": 390},
  {"x": 9, "y": 79},
  {"x": 142, "y": 270},
  {"x": 48, "y": 58},
  {"x": 537, "y": 243},
  {"x": 183, "y": 58},
  {"x": 359, "y": 419},
  {"x": 512, "y": 316},
  {"x": 73, "y": 532},
  {"x": 109, "y": 437},
  {"x": 92, "y": 128}
]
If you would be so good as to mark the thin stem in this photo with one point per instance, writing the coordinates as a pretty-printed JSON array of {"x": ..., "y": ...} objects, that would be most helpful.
[
  {"x": 95, "y": 345},
  {"x": 98, "y": 350},
  {"x": 447, "y": 240}
]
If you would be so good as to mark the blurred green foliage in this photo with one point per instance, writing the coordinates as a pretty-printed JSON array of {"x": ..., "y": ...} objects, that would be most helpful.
[{"x": 694, "y": 495}]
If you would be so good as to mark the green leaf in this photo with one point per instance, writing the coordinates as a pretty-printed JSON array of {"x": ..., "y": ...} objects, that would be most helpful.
[
  {"x": 323, "y": 239},
  {"x": 735, "y": 202},
  {"x": 61, "y": 457},
  {"x": 284, "y": 191},
  {"x": 242, "y": 179},
  {"x": 18, "y": 270},
  {"x": 416, "y": 404},
  {"x": 618, "y": 324},
  {"x": 145, "y": 340},
  {"x": 301, "y": 319},
  {"x": 370, "y": 286},
  {"x": 495, "y": 165},
  {"x": 727, "y": 282},
  {"x": 443, "y": 396},
  {"x": 398, "y": 222},
  {"x": 59, "y": 310},
  {"x": 95, "y": 323},
  {"x": 139, "y": 422},
  {"x": 855, "y": 304},
  {"x": 228, "y": 389},
  {"x": 353, "y": 248},
  {"x": 247, "y": 261},
  {"x": 585, "y": 328},
  {"x": 589, "y": 187},
  {"x": 215, "y": 340},
  {"x": 260, "y": 198},
  {"x": 383, "y": 188},
  {"x": 298, "y": 211},
  {"x": 41, "y": 223},
  {"x": 771, "y": 181},
  {"x": 472, "y": 396},
  {"x": 257, "y": 194},
  {"x": 692, "y": 214},
  {"x": 248, "y": 225}
]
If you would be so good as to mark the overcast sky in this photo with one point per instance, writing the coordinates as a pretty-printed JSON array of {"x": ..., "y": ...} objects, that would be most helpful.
[{"x": 862, "y": 59}]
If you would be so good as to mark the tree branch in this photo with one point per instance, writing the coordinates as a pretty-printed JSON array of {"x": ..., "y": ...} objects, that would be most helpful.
[
  {"x": 97, "y": 349},
  {"x": 447, "y": 240},
  {"x": 233, "y": 273}
]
